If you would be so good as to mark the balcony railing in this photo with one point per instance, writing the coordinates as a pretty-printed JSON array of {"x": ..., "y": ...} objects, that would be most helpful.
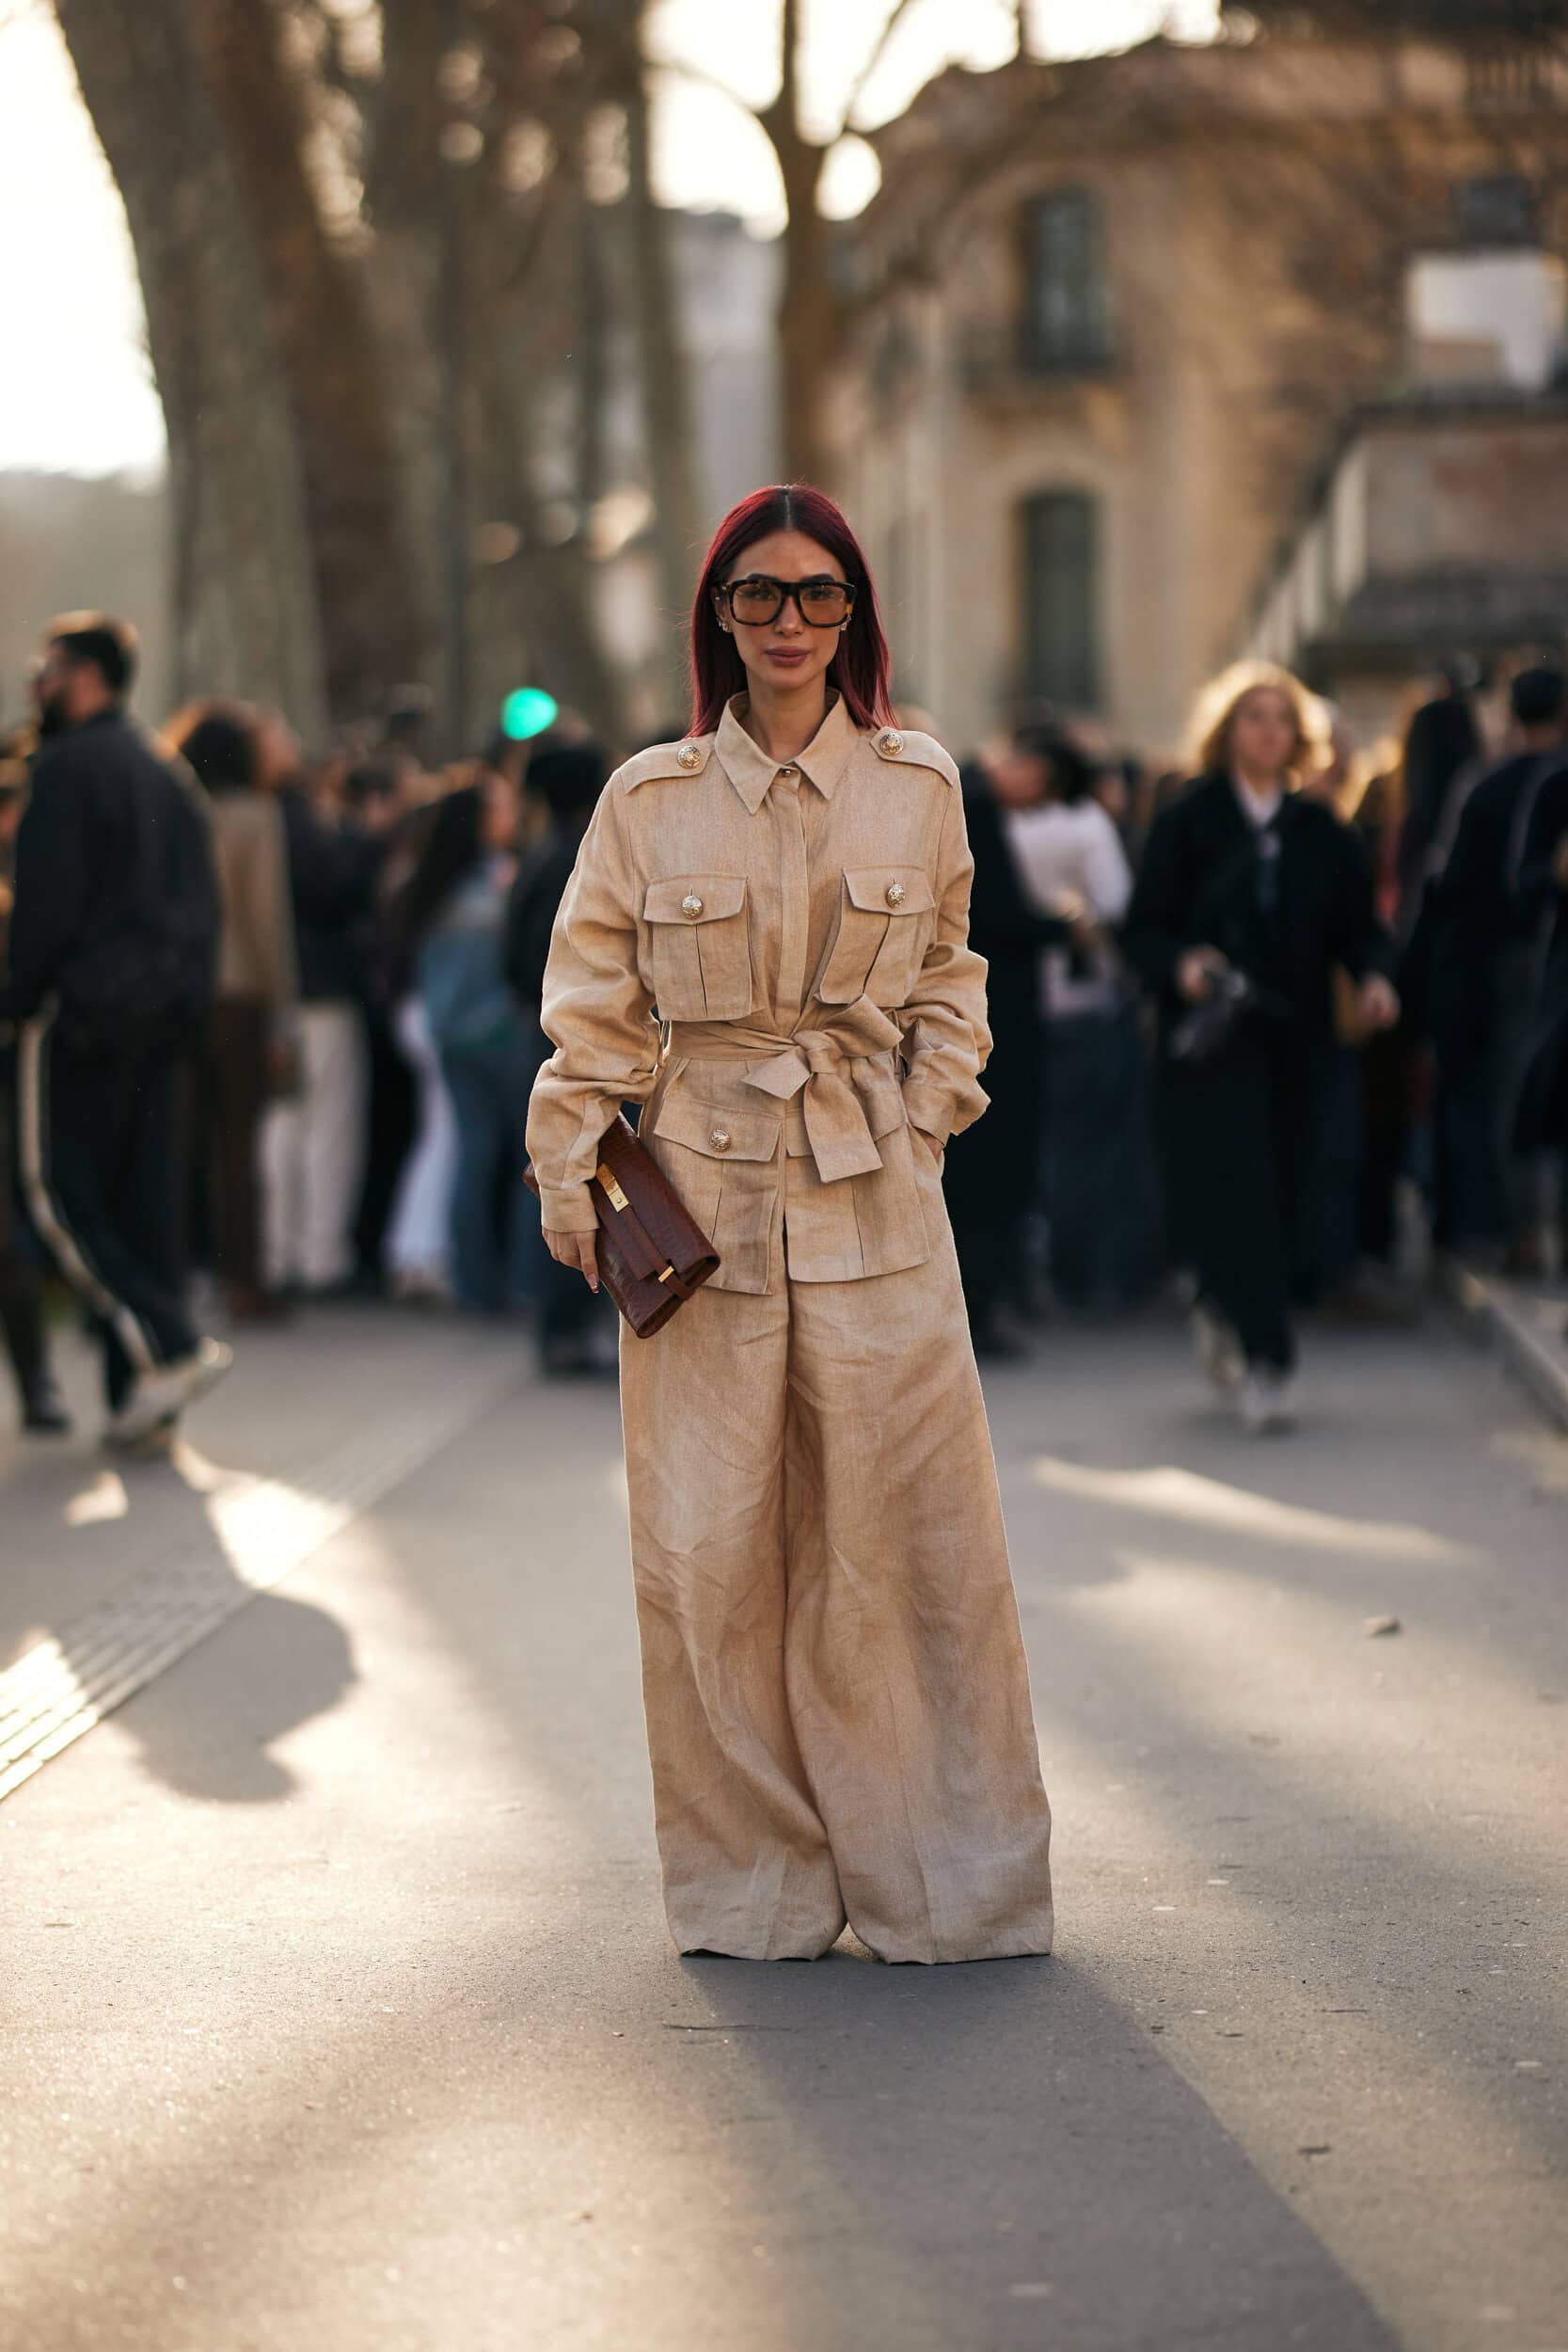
[{"x": 1014, "y": 361}]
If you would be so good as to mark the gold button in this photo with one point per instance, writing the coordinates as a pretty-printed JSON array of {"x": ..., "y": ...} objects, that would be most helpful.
[
  {"x": 689, "y": 755},
  {"x": 895, "y": 894},
  {"x": 789, "y": 772},
  {"x": 890, "y": 740},
  {"x": 692, "y": 905},
  {"x": 719, "y": 1138}
]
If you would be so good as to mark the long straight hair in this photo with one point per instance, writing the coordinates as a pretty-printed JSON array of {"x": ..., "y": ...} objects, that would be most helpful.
[{"x": 860, "y": 666}]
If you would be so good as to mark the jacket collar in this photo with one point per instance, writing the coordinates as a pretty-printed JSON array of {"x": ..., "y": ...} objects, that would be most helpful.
[{"x": 749, "y": 769}]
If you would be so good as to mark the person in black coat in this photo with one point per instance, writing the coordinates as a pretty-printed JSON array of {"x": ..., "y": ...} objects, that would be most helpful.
[
  {"x": 113, "y": 950},
  {"x": 22, "y": 1325},
  {"x": 1249, "y": 897},
  {"x": 568, "y": 778},
  {"x": 1541, "y": 1124},
  {"x": 1486, "y": 972},
  {"x": 992, "y": 1172}
]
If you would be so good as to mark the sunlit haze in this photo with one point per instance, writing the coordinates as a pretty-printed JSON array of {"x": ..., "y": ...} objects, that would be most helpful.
[{"x": 80, "y": 397}]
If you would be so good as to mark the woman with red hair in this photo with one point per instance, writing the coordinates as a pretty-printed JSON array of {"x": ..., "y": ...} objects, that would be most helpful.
[{"x": 765, "y": 943}]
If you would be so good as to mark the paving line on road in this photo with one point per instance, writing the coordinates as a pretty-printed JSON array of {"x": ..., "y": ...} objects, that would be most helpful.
[{"x": 258, "y": 1535}]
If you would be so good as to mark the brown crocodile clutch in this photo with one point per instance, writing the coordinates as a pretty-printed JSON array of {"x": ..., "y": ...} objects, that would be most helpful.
[{"x": 651, "y": 1252}]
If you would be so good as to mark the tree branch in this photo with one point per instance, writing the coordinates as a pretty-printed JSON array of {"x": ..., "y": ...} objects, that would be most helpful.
[{"x": 879, "y": 51}]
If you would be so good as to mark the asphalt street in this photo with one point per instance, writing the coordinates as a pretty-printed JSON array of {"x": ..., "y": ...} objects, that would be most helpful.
[{"x": 337, "y": 2011}]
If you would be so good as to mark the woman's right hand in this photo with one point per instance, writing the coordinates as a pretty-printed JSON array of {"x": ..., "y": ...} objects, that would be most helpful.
[
  {"x": 578, "y": 1251},
  {"x": 1197, "y": 971}
]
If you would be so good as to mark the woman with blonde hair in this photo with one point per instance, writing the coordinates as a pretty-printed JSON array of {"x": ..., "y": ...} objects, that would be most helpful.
[{"x": 1251, "y": 892}]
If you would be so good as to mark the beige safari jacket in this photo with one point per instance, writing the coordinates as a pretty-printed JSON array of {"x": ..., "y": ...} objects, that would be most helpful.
[{"x": 775, "y": 960}]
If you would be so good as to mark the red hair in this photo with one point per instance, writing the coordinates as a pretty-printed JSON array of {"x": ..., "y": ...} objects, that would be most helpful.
[{"x": 860, "y": 666}]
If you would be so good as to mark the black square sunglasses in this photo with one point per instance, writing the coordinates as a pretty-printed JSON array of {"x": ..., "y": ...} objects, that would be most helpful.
[{"x": 758, "y": 600}]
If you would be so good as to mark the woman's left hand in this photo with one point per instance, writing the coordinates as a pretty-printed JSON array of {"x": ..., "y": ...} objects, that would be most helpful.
[{"x": 1379, "y": 1004}]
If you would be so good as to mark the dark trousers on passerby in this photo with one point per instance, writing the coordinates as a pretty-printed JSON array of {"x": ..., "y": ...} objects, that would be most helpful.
[
  {"x": 99, "y": 1150},
  {"x": 1101, "y": 1199},
  {"x": 488, "y": 1087},
  {"x": 21, "y": 1275},
  {"x": 1236, "y": 1146},
  {"x": 391, "y": 1123},
  {"x": 234, "y": 1094}
]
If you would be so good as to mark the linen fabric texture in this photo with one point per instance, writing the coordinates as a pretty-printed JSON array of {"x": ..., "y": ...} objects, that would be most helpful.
[{"x": 773, "y": 961}]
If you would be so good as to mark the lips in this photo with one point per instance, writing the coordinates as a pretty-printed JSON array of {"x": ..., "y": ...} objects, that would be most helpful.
[{"x": 788, "y": 655}]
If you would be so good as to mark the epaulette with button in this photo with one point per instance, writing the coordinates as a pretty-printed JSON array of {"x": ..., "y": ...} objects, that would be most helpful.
[
  {"x": 914, "y": 751},
  {"x": 663, "y": 761}
]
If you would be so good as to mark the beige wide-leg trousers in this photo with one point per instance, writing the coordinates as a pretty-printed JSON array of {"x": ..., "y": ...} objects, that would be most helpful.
[{"x": 838, "y": 1706}]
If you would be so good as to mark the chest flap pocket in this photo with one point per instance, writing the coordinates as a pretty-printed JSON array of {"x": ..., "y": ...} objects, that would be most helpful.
[
  {"x": 885, "y": 920},
  {"x": 700, "y": 946}
]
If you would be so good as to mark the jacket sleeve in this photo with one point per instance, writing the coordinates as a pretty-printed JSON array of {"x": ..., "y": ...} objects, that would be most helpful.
[
  {"x": 1538, "y": 883},
  {"x": 332, "y": 873},
  {"x": 597, "y": 1015},
  {"x": 1155, "y": 935},
  {"x": 1360, "y": 941},
  {"x": 262, "y": 912},
  {"x": 946, "y": 1037},
  {"x": 52, "y": 873},
  {"x": 1107, "y": 876}
]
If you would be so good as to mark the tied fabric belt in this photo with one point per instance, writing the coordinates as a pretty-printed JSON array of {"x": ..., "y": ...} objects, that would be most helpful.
[{"x": 811, "y": 1063}]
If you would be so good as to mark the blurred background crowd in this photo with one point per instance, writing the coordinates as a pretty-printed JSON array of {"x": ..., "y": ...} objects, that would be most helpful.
[
  {"x": 1136, "y": 338},
  {"x": 351, "y": 1104}
]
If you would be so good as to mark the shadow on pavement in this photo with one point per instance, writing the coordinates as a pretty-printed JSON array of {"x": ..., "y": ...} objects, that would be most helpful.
[
  {"x": 146, "y": 1549},
  {"x": 997, "y": 2156}
]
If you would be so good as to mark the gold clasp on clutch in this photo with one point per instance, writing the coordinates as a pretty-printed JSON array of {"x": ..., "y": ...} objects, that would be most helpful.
[
  {"x": 668, "y": 1274},
  {"x": 616, "y": 1198}
]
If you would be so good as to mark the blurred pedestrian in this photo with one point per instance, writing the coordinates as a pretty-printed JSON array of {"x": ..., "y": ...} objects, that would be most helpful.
[
  {"x": 991, "y": 1177},
  {"x": 313, "y": 1138},
  {"x": 1487, "y": 970},
  {"x": 450, "y": 917},
  {"x": 382, "y": 795},
  {"x": 1443, "y": 752},
  {"x": 567, "y": 779},
  {"x": 22, "y": 1323},
  {"x": 248, "y": 1053},
  {"x": 113, "y": 952},
  {"x": 1249, "y": 896},
  {"x": 1541, "y": 1126},
  {"x": 1100, "y": 1191}
]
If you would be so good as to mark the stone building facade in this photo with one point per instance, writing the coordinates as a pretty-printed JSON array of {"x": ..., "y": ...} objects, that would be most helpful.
[{"x": 1113, "y": 314}]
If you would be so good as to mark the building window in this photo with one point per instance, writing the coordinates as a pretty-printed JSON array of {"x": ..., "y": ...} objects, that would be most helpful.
[
  {"x": 1500, "y": 211},
  {"x": 1067, "y": 317},
  {"x": 1061, "y": 599}
]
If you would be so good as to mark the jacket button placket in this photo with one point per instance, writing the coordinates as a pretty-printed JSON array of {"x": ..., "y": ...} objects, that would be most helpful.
[{"x": 783, "y": 805}]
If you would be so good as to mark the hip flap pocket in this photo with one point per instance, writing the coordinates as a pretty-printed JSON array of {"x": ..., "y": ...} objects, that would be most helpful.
[
  {"x": 701, "y": 947},
  {"x": 718, "y": 1160},
  {"x": 885, "y": 919}
]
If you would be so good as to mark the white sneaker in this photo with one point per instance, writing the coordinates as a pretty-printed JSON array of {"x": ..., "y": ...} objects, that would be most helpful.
[
  {"x": 159, "y": 1397},
  {"x": 1219, "y": 1351},
  {"x": 1269, "y": 1402}
]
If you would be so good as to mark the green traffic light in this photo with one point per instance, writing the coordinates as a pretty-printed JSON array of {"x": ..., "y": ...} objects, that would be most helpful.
[{"x": 528, "y": 711}]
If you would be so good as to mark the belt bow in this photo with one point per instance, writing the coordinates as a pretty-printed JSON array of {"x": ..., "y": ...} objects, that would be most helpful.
[{"x": 812, "y": 1063}]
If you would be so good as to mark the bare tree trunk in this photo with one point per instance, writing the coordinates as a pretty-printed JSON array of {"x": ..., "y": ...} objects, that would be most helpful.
[
  {"x": 811, "y": 315},
  {"x": 409, "y": 205},
  {"x": 246, "y": 617},
  {"x": 371, "y": 625},
  {"x": 549, "y": 587},
  {"x": 669, "y": 425}
]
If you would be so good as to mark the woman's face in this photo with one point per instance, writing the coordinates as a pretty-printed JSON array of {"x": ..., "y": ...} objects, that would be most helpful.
[
  {"x": 1264, "y": 732},
  {"x": 786, "y": 654}
]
